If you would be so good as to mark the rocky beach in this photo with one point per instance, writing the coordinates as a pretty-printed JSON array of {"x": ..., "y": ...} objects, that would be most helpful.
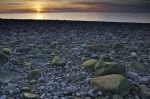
[{"x": 74, "y": 60}]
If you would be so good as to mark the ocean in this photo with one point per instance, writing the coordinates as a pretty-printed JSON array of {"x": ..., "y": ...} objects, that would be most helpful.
[{"x": 107, "y": 17}]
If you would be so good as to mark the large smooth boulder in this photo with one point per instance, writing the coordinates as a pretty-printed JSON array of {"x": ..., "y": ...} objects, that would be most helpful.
[
  {"x": 115, "y": 84},
  {"x": 106, "y": 68},
  {"x": 90, "y": 63}
]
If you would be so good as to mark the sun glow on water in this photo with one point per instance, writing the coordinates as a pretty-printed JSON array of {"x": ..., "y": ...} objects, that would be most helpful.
[{"x": 39, "y": 16}]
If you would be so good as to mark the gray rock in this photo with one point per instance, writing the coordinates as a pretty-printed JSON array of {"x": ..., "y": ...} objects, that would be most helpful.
[
  {"x": 99, "y": 93},
  {"x": 8, "y": 76},
  {"x": 3, "y": 97},
  {"x": 55, "y": 97},
  {"x": 91, "y": 93},
  {"x": 17, "y": 90},
  {"x": 11, "y": 92},
  {"x": 11, "y": 86},
  {"x": 43, "y": 96},
  {"x": 33, "y": 81},
  {"x": 132, "y": 75},
  {"x": 145, "y": 80},
  {"x": 71, "y": 89},
  {"x": 133, "y": 55}
]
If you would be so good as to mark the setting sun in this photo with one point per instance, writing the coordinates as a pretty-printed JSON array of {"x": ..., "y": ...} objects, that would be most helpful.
[{"x": 38, "y": 7}]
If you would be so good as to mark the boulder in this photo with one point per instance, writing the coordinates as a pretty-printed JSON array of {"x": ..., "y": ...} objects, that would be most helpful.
[
  {"x": 3, "y": 58},
  {"x": 145, "y": 92},
  {"x": 106, "y": 68},
  {"x": 137, "y": 66},
  {"x": 117, "y": 97},
  {"x": 115, "y": 84},
  {"x": 89, "y": 63},
  {"x": 4, "y": 54},
  {"x": 57, "y": 60},
  {"x": 34, "y": 74},
  {"x": 28, "y": 95}
]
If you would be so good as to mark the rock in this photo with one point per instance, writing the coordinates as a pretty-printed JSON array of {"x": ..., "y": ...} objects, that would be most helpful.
[
  {"x": 7, "y": 51},
  {"x": 106, "y": 68},
  {"x": 145, "y": 80},
  {"x": 137, "y": 66},
  {"x": 31, "y": 45},
  {"x": 97, "y": 47},
  {"x": 118, "y": 47},
  {"x": 17, "y": 90},
  {"x": 132, "y": 75},
  {"x": 99, "y": 64},
  {"x": 92, "y": 93},
  {"x": 71, "y": 89},
  {"x": 23, "y": 49},
  {"x": 95, "y": 56},
  {"x": 133, "y": 54},
  {"x": 11, "y": 86},
  {"x": 54, "y": 43},
  {"x": 28, "y": 64},
  {"x": 117, "y": 97},
  {"x": 11, "y": 92},
  {"x": 8, "y": 76},
  {"x": 34, "y": 74},
  {"x": 115, "y": 83},
  {"x": 3, "y": 58},
  {"x": 106, "y": 58},
  {"x": 90, "y": 63},
  {"x": 28, "y": 95},
  {"x": 3, "y": 97},
  {"x": 4, "y": 54},
  {"x": 57, "y": 60},
  {"x": 145, "y": 92},
  {"x": 25, "y": 89},
  {"x": 33, "y": 81}
]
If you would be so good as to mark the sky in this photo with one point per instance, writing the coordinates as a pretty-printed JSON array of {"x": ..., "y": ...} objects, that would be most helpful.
[{"x": 24, "y": 6}]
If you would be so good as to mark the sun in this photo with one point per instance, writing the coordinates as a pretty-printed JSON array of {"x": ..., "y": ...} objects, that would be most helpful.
[{"x": 38, "y": 7}]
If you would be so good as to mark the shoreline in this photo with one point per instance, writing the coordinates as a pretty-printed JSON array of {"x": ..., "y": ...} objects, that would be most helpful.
[{"x": 1, "y": 19}]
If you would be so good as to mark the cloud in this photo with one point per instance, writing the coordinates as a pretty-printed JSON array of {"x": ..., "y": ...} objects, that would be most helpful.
[{"x": 76, "y": 5}]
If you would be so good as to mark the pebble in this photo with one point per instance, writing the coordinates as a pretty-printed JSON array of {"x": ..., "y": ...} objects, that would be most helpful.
[
  {"x": 99, "y": 93},
  {"x": 55, "y": 97},
  {"x": 71, "y": 89},
  {"x": 42, "y": 80},
  {"x": 91, "y": 92},
  {"x": 17, "y": 90},
  {"x": 33, "y": 81},
  {"x": 11, "y": 92},
  {"x": 42, "y": 96},
  {"x": 133, "y": 54}
]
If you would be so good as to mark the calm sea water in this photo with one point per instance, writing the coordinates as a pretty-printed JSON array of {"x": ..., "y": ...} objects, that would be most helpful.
[{"x": 111, "y": 17}]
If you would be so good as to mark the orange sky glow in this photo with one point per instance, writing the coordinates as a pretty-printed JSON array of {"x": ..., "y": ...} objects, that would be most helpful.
[{"x": 15, "y": 6}]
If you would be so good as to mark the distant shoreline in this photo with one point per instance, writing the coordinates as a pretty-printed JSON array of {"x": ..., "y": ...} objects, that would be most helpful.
[{"x": 48, "y": 20}]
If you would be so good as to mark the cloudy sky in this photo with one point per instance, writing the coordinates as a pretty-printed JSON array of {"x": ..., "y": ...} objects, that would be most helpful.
[{"x": 14, "y": 6}]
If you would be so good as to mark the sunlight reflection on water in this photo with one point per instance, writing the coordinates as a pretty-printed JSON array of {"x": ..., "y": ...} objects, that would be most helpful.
[{"x": 111, "y": 17}]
